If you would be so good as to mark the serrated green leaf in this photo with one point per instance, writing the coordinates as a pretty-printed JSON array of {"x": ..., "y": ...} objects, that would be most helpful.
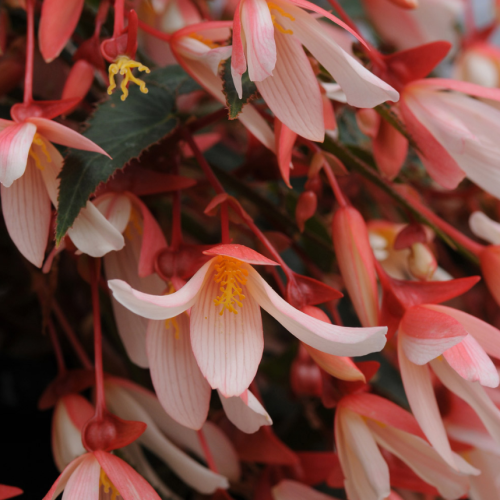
[
  {"x": 233, "y": 102},
  {"x": 123, "y": 130}
]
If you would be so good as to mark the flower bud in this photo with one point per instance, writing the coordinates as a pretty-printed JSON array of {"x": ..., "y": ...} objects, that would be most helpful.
[
  {"x": 368, "y": 121},
  {"x": 306, "y": 208},
  {"x": 355, "y": 260},
  {"x": 490, "y": 266},
  {"x": 421, "y": 262}
]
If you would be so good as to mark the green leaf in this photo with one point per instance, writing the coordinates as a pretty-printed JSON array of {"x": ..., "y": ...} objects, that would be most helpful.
[
  {"x": 233, "y": 102},
  {"x": 124, "y": 130}
]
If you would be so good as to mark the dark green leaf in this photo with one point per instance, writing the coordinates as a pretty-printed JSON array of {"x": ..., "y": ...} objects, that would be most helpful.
[
  {"x": 233, "y": 102},
  {"x": 124, "y": 130}
]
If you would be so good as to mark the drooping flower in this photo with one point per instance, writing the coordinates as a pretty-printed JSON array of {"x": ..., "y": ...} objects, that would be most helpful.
[
  {"x": 225, "y": 323},
  {"x": 267, "y": 40}
]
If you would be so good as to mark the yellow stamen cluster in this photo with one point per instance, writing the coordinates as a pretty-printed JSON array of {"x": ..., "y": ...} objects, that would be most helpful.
[
  {"x": 135, "y": 222},
  {"x": 108, "y": 487},
  {"x": 173, "y": 322},
  {"x": 38, "y": 141},
  {"x": 204, "y": 40},
  {"x": 125, "y": 65},
  {"x": 272, "y": 6},
  {"x": 230, "y": 275}
]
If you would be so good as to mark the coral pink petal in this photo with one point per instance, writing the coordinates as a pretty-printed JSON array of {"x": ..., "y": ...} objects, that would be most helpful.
[
  {"x": 7, "y": 492},
  {"x": 245, "y": 412},
  {"x": 160, "y": 306},
  {"x": 55, "y": 132},
  {"x": 425, "y": 334},
  {"x": 332, "y": 339},
  {"x": 238, "y": 59},
  {"x": 93, "y": 234},
  {"x": 293, "y": 490},
  {"x": 228, "y": 347},
  {"x": 362, "y": 88},
  {"x": 472, "y": 393},
  {"x": 27, "y": 213},
  {"x": 242, "y": 253},
  {"x": 179, "y": 384},
  {"x": 57, "y": 23},
  {"x": 292, "y": 92},
  {"x": 390, "y": 148},
  {"x": 420, "y": 393},
  {"x": 84, "y": 482},
  {"x": 470, "y": 361},
  {"x": 423, "y": 460},
  {"x": 130, "y": 484},
  {"x": 340, "y": 367},
  {"x": 62, "y": 480},
  {"x": 462, "y": 86},
  {"x": 15, "y": 144},
  {"x": 258, "y": 29},
  {"x": 486, "y": 335},
  {"x": 285, "y": 140},
  {"x": 79, "y": 81},
  {"x": 437, "y": 160}
]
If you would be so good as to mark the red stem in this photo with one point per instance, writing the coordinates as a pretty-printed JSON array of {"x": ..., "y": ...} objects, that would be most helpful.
[
  {"x": 224, "y": 223},
  {"x": 71, "y": 336},
  {"x": 334, "y": 185},
  {"x": 99, "y": 372},
  {"x": 156, "y": 33},
  {"x": 119, "y": 15},
  {"x": 206, "y": 450},
  {"x": 61, "y": 366},
  {"x": 176, "y": 221},
  {"x": 30, "y": 49}
]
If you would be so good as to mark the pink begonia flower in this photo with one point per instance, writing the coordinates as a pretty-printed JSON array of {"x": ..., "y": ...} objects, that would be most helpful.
[
  {"x": 365, "y": 422},
  {"x": 225, "y": 322},
  {"x": 169, "y": 440},
  {"x": 457, "y": 134},
  {"x": 29, "y": 165},
  {"x": 268, "y": 39},
  {"x": 99, "y": 473},
  {"x": 433, "y": 20},
  {"x": 194, "y": 50}
]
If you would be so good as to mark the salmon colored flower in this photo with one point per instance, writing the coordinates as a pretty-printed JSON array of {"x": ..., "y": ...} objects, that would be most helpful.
[
  {"x": 226, "y": 326},
  {"x": 268, "y": 39}
]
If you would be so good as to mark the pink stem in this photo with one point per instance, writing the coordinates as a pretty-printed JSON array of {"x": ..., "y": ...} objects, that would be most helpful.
[
  {"x": 224, "y": 223},
  {"x": 206, "y": 450},
  {"x": 61, "y": 366},
  {"x": 334, "y": 185},
  {"x": 176, "y": 221},
  {"x": 30, "y": 49},
  {"x": 154, "y": 32},
  {"x": 99, "y": 372}
]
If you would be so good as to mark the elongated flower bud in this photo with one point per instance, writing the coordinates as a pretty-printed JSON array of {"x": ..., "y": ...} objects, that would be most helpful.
[
  {"x": 355, "y": 259},
  {"x": 306, "y": 208}
]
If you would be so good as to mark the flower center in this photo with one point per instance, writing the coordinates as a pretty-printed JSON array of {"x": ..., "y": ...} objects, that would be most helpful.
[
  {"x": 38, "y": 141},
  {"x": 134, "y": 223},
  {"x": 108, "y": 487},
  {"x": 124, "y": 65},
  {"x": 230, "y": 275},
  {"x": 272, "y": 6},
  {"x": 202, "y": 39}
]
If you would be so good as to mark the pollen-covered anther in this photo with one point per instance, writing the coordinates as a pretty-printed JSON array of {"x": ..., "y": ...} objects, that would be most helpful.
[
  {"x": 273, "y": 6},
  {"x": 38, "y": 141},
  {"x": 108, "y": 488},
  {"x": 230, "y": 275},
  {"x": 124, "y": 65}
]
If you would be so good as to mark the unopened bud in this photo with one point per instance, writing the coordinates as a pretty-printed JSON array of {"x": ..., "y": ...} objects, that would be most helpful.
[
  {"x": 479, "y": 69},
  {"x": 490, "y": 267},
  {"x": 314, "y": 184},
  {"x": 355, "y": 260},
  {"x": 306, "y": 208},
  {"x": 421, "y": 262},
  {"x": 368, "y": 121}
]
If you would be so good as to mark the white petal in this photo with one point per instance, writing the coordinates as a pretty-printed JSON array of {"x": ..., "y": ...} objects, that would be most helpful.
[{"x": 483, "y": 227}]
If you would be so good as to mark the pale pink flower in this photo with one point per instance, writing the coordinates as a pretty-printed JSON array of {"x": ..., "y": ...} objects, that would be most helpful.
[
  {"x": 268, "y": 39},
  {"x": 365, "y": 422},
  {"x": 480, "y": 64},
  {"x": 226, "y": 335}
]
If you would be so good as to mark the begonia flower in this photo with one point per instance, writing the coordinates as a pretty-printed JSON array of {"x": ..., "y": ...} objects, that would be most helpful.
[{"x": 225, "y": 322}]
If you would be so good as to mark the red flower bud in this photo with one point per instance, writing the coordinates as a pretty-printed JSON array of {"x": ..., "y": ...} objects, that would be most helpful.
[{"x": 306, "y": 208}]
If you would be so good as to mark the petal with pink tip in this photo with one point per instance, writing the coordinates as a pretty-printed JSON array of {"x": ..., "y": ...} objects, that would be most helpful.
[
  {"x": 362, "y": 88},
  {"x": 366, "y": 475},
  {"x": 57, "y": 22},
  {"x": 179, "y": 384},
  {"x": 472, "y": 393},
  {"x": 116, "y": 208},
  {"x": 338, "y": 366},
  {"x": 7, "y": 492},
  {"x": 123, "y": 265},
  {"x": 93, "y": 234},
  {"x": 470, "y": 361},
  {"x": 420, "y": 394},
  {"x": 190, "y": 471},
  {"x": 486, "y": 335},
  {"x": 242, "y": 253},
  {"x": 130, "y": 484},
  {"x": 160, "y": 306},
  {"x": 27, "y": 214},
  {"x": 292, "y": 92},
  {"x": 62, "y": 480},
  {"x": 285, "y": 140},
  {"x": 245, "y": 412},
  {"x": 79, "y": 81},
  {"x": 423, "y": 460},
  {"x": 260, "y": 43},
  {"x": 84, "y": 482},
  {"x": 425, "y": 334},
  {"x": 293, "y": 490},
  {"x": 15, "y": 144},
  {"x": 332, "y": 339},
  {"x": 228, "y": 346},
  {"x": 238, "y": 59},
  {"x": 483, "y": 227},
  {"x": 55, "y": 132}
]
